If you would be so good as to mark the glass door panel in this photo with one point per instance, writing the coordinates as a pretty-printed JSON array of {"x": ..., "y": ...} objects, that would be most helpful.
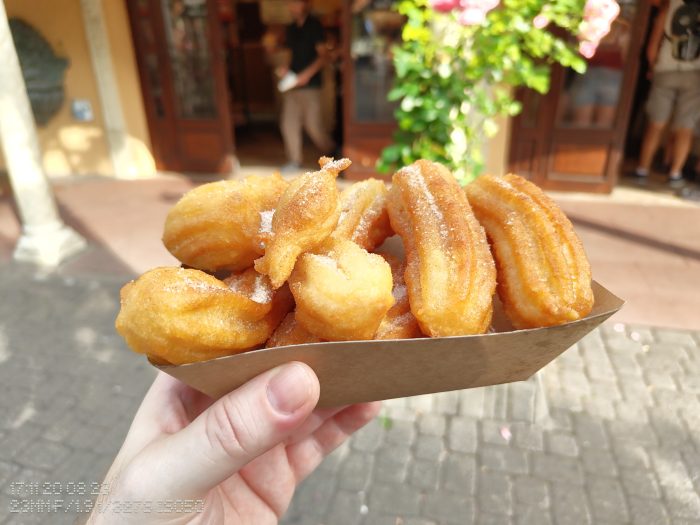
[{"x": 187, "y": 39}]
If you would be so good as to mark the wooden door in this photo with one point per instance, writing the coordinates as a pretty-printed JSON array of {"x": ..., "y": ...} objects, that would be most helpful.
[
  {"x": 368, "y": 35},
  {"x": 573, "y": 137},
  {"x": 183, "y": 79}
]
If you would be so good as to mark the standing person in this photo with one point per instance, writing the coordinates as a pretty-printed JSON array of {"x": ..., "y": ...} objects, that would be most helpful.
[
  {"x": 301, "y": 105},
  {"x": 674, "y": 54}
]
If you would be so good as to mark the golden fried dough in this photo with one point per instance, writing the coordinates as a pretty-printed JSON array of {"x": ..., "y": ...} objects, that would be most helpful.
[
  {"x": 342, "y": 292},
  {"x": 216, "y": 226},
  {"x": 544, "y": 277},
  {"x": 363, "y": 216},
  {"x": 399, "y": 322},
  {"x": 289, "y": 332},
  {"x": 450, "y": 274},
  {"x": 181, "y": 316},
  {"x": 305, "y": 216}
]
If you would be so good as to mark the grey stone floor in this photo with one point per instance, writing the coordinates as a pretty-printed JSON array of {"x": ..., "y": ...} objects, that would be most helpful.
[{"x": 608, "y": 434}]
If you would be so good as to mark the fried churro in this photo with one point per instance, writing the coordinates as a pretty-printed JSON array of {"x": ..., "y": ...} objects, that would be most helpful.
[
  {"x": 544, "y": 277},
  {"x": 306, "y": 214},
  {"x": 215, "y": 226},
  {"x": 450, "y": 274},
  {"x": 363, "y": 216},
  {"x": 180, "y": 316}
]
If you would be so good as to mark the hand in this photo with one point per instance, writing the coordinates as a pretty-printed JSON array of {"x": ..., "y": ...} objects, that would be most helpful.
[
  {"x": 281, "y": 71},
  {"x": 243, "y": 455},
  {"x": 303, "y": 79}
]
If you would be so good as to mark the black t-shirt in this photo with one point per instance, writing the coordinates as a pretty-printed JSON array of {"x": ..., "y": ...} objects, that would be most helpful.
[{"x": 302, "y": 41}]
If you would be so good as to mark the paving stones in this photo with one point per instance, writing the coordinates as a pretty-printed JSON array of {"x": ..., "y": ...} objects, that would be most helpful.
[{"x": 617, "y": 441}]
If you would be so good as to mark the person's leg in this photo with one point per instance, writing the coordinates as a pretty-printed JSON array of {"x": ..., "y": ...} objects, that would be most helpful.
[
  {"x": 583, "y": 116},
  {"x": 313, "y": 121},
  {"x": 659, "y": 107},
  {"x": 682, "y": 140},
  {"x": 686, "y": 118},
  {"x": 652, "y": 137},
  {"x": 608, "y": 96},
  {"x": 291, "y": 126},
  {"x": 605, "y": 116}
]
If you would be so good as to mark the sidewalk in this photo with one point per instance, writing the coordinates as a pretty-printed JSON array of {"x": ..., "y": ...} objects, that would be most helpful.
[{"x": 607, "y": 434}]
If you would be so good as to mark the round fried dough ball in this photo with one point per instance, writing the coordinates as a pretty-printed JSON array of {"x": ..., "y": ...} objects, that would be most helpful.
[
  {"x": 179, "y": 316},
  {"x": 342, "y": 292}
]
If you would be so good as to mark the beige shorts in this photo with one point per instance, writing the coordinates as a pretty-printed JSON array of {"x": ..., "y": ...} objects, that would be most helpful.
[{"x": 675, "y": 90}]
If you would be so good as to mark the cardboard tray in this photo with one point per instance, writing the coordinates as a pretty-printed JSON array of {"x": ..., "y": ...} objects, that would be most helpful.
[{"x": 357, "y": 371}]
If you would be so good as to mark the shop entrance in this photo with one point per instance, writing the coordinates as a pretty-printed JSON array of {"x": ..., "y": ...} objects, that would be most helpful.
[
  {"x": 207, "y": 71},
  {"x": 183, "y": 81},
  {"x": 573, "y": 138}
]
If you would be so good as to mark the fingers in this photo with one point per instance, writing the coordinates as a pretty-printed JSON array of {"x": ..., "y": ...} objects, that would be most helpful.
[
  {"x": 317, "y": 418},
  {"x": 152, "y": 416},
  {"x": 308, "y": 453},
  {"x": 233, "y": 431}
]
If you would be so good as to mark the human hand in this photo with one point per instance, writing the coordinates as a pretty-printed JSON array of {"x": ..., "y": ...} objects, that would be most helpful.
[
  {"x": 303, "y": 79},
  {"x": 281, "y": 71},
  {"x": 243, "y": 455}
]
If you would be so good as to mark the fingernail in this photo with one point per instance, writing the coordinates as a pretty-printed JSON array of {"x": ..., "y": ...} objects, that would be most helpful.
[{"x": 289, "y": 388}]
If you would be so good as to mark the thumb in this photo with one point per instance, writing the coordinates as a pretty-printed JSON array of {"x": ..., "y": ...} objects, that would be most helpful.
[{"x": 232, "y": 432}]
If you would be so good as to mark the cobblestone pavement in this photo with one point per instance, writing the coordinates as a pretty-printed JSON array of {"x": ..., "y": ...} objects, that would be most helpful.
[{"x": 608, "y": 434}]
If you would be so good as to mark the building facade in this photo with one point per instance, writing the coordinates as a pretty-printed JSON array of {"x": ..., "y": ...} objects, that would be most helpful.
[{"x": 178, "y": 85}]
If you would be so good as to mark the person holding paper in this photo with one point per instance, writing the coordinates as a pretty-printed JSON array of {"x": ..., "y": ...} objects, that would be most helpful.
[
  {"x": 301, "y": 85},
  {"x": 190, "y": 459}
]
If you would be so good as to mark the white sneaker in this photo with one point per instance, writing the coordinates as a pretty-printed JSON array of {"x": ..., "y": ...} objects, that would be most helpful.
[
  {"x": 675, "y": 180},
  {"x": 291, "y": 167}
]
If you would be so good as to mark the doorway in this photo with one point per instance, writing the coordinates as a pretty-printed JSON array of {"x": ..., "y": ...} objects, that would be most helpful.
[
  {"x": 183, "y": 81},
  {"x": 573, "y": 137},
  {"x": 208, "y": 79}
]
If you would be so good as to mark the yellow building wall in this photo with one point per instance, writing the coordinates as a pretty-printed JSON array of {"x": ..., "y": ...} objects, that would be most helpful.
[
  {"x": 70, "y": 147},
  {"x": 127, "y": 77},
  {"x": 498, "y": 148}
]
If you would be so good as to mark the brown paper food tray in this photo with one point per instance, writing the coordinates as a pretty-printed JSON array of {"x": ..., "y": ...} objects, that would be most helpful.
[{"x": 357, "y": 371}]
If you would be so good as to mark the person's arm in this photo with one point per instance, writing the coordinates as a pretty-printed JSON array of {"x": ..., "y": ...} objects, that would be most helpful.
[{"x": 657, "y": 35}]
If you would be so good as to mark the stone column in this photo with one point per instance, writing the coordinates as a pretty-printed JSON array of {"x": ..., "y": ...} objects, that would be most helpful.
[
  {"x": 115, "y": 126},
  {"x": 45, "y": 239}
]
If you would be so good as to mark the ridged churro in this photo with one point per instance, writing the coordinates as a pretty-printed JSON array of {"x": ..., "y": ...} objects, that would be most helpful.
[
  {"x": 399, "y": 322},
  {"x": 363, "y": 216},
  {"x": 544, "y": 277},
  {"x": 450, "y": 274},
  {"x": 290, "y": 332}
]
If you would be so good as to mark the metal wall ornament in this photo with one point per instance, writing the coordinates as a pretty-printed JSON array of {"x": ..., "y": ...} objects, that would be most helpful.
[{"x": 42, "y": 69}]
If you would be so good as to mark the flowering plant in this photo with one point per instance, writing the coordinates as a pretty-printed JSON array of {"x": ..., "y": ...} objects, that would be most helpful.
[{"x": 460, "y": 60}]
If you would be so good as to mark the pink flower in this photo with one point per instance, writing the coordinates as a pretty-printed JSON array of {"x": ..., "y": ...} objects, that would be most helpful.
[
  {"x": 484, "y": 5},
  {"x": 540, "y": 21},
  {"x": 474, "y": 11},
  {"x": 444, "y": 6},
  {"x": 587, "y": 48},
  {"x": 594, "y": 30},
  {"x": 471, "y": 17}
]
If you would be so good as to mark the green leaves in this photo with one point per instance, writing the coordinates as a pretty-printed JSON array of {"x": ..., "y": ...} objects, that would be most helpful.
[{"x": 452, "y": 81}]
